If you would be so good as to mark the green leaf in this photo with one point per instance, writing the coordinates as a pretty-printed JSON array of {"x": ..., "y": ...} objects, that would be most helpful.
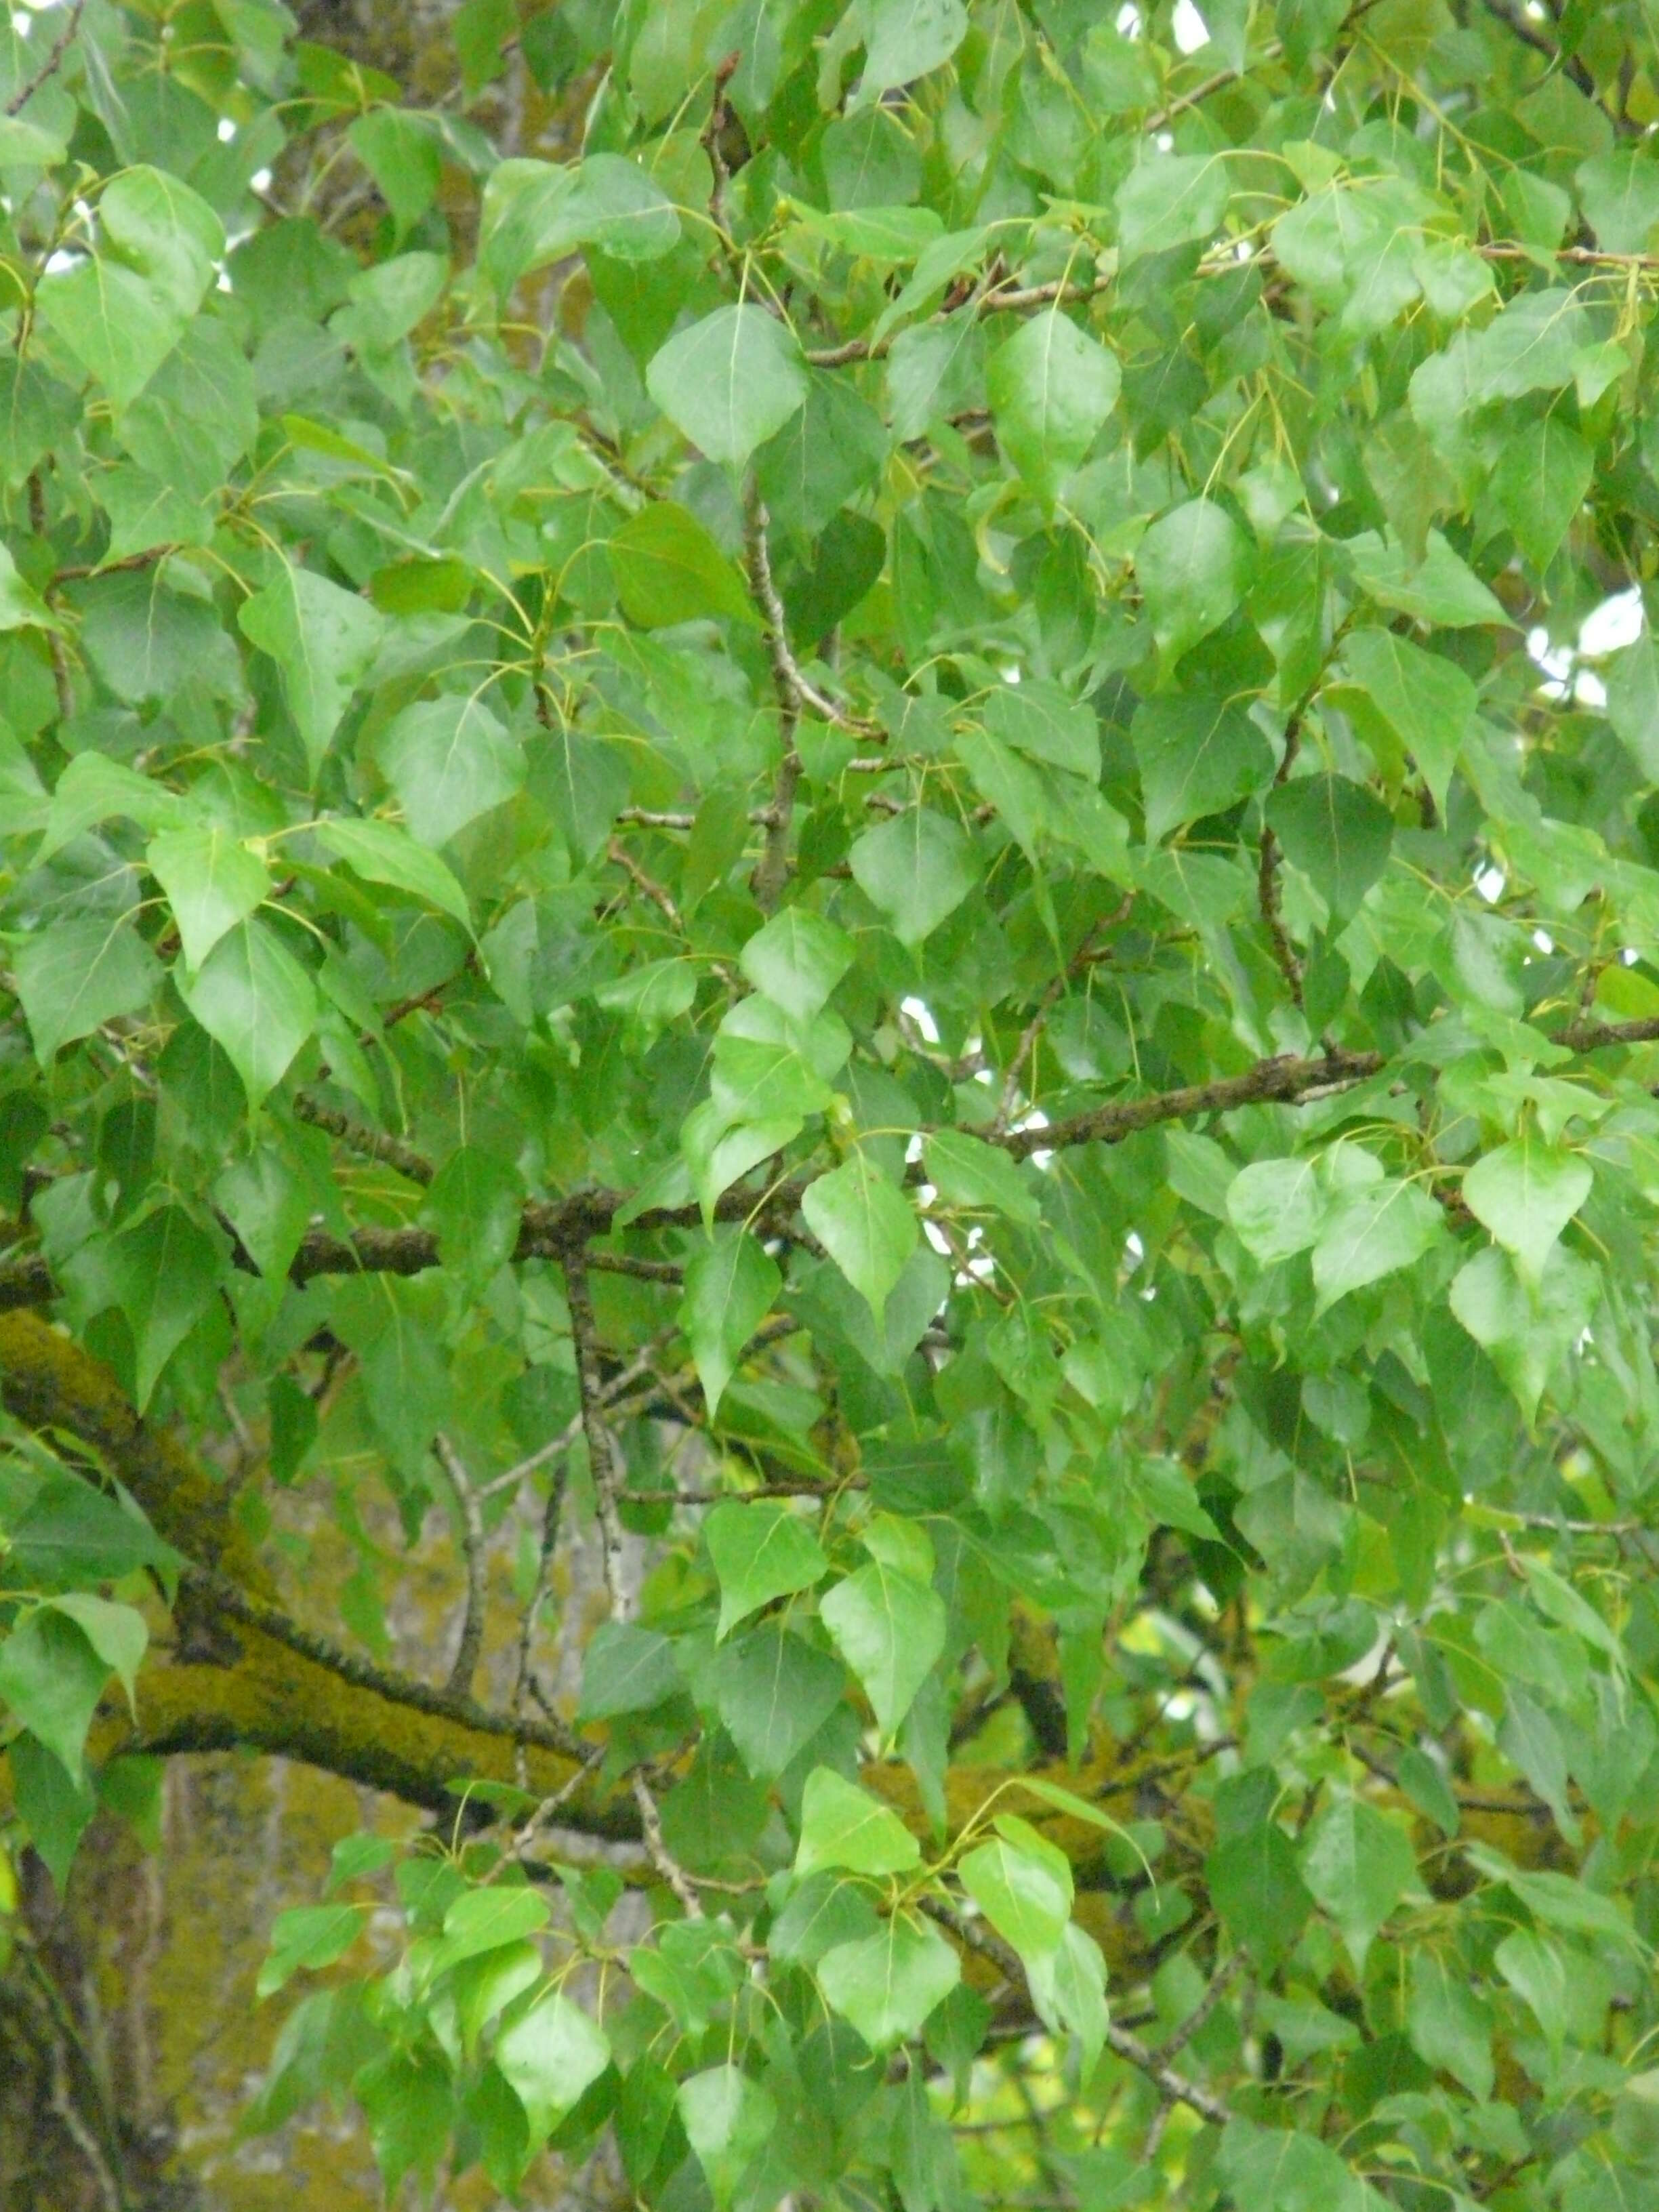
[
  {"x": 730, "y": 1288},
  {"x": 165, "y": 1271},
  {"x": 866, "y": 1225},
  {"x": 1273, "y": 2169},
  {"x": 551, "y": 2054},
  {"x": 382, "y": 852},
  {"x": 56, "y": 1811},
  {"x": 918, "y": 868},
  {"x": 1535, "y": 1969},
  {"x": 967, "y": 1171},
  {"x": 1198, "y": 753},
  {"x": 1633, "y": 683},
  {"x": 890, "y": 1629},
  {"x": 1051, "y": 387},
  {"x": 1426, "y": 700},
  {"x": 904, "y": 39},
  {"x": 628, "y": 1669},
  {"x": 1525, "y": 1192},
  {"x": 70, "y": 1533},
  {"x": 120, "y": 328},
  {"x": 1171, "y": 199},
  {"x": 1255, "y": 1886},
  {"x": 1540, "y": 482},
  {"x": 1441, "y": 590},
  {"x": 669, "y": 569},
  {"x": 93, "y": 789},
  {"x": 212, "y": 882},
  {"x": 1370, "y": 1233},
  {"x": 760, "y": 1551},
  {"x": 538, "y": 212},
  {"x": 256, "y": 1002},
  {"x": 153, "y": 223},
  {"x": 1619, "y": 191},
  {"x": 728, "y": 2120},
  {"x": 322, "y": 638},
  {"x": 1337, "y": 832},
  {"x": 476, "y": 1204},
  {"x": 1068, "y": 1988},
  {"x": 1046, "y": 724},
  {"x": 1277, "y": 1207},
  {"x": 842, "y": 1826},
  {"x": 51, "y": 1676},
  {"x": 400, "y": 152},
  {"x": 483, "y": 1920},
  {"x": 309, "y": 1937},
  {"x": 774, "y": 1692},
  {"x": 21, "y": 607},
  {"x": 886, "y": 1984},
  {"x": 826, "y": 453},
  {"x": 887, "y": 235},
  {"x": 449, "y": 760},
  {"x": 75, "y": 976},
  {"x": 1357, "y": 1865},
  {"x": 1194, "y": 565},
  {"x": 1450, "y": 2027},
  {"x": 1021, "y": 1893},
  {"x": 797, "y": 959},
  {"x": 408, "y": 2102},
  {"x": 729, "y": 382}
]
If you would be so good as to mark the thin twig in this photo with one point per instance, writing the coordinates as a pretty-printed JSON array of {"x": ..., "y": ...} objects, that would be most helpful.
[
  {"x": 62, "y": 683},
  {"x": 773, "y": 867},
  {"x": 658, "y": 1851},
  {"x": 617, "y": 852},
  {"x": 719, "y": 118},
  {"x": 1268, "y": 871},
  {"x": 546, "y": 1812},
  {"x": 644, "y": 1271},
  {"x": 1220, "y": 1982},
  {"x": 1176, "y": 2086},
  {"x": 601, "y": 1446},
  {"x": 54, "y": 61},
  {"x": 470, "y": 1511}
]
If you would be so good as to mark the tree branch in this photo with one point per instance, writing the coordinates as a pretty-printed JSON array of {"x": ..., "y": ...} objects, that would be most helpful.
[
  {"x": 551, "y": 1228},
  {"x": 601, "y": 1446},
  {"x": 56, "y": 56},
  {"x": 773, "y": 868},
  {"x": 470, "y": 1511},
  {"x": 975, "y": 1936},
  {"x": 373, "y": 1144},
  {"x": 1267, "y": 871}
]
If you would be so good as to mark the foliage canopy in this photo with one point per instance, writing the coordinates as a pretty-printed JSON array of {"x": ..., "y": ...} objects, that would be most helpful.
[{"x": 891, "y": 836}]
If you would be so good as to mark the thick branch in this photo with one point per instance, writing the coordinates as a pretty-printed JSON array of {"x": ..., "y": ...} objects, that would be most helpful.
[
  {"x": 273, "y": 1698},
  {"x": 373, "y": 1144}
]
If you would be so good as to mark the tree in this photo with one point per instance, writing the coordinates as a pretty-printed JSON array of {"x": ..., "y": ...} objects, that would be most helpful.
[{"x": 891, "y": 837}]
